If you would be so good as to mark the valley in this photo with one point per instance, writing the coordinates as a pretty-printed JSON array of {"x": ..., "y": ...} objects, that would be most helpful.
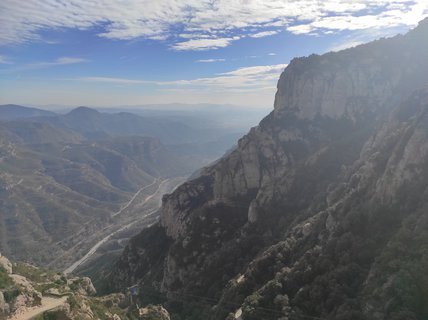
[
  {"x": 69, "y": 181},
  {"x": 139, "y": 213}
]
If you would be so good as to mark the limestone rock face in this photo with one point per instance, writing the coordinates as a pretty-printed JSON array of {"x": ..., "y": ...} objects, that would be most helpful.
[
  {"x": 312, "y": 203},
  {"x": 351, "y": 82},
  {"x": 29, "y": 297},
  {"x": 82, "y": 286},
  {"x": 6, "y": 264},
  {"x": 154, "y": 312}
]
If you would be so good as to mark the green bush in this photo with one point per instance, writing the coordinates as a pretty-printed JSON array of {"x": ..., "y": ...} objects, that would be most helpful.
[
  {"x": 10, "y": 295},
  {"x": 5, "y": 280}
]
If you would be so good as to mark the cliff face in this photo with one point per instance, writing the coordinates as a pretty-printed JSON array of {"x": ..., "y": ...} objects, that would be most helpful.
[{"x": 319, "y": 211}]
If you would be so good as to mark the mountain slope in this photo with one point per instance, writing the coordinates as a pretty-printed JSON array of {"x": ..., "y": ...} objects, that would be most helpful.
[
  {"x": 58, "y": 190},
  {"x": 13, "y": 112},
  {"x": 28, "y": 292},
  {"x": 319, "y": 211}
]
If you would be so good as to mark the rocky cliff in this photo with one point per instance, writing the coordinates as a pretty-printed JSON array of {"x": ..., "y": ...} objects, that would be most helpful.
[{"x": 319, "y": 212}]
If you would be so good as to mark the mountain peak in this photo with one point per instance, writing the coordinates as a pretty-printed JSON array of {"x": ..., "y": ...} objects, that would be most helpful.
[{"x": 83, "y": 111}]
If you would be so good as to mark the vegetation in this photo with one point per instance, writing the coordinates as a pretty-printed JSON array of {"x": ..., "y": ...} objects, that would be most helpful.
[{"x": 5, "y": 280}]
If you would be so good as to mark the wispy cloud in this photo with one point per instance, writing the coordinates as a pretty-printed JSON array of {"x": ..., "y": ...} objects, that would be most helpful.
[
  {"x": 359, "y": 37},
  {"x": 263, "y": 34},
  {"x": 345, "y": 45},
  {"x": 5, "y": 60},
  {"x": 114, "y": 80},
  {"x": 210, "y": 60},
  {"x": 44, "y": 64},
  {"x": 243, "y": 79},
  {"x": 58, "y": 62},
  {"x": 201, "y": 24},
  {"x": 203, "y": 44}
]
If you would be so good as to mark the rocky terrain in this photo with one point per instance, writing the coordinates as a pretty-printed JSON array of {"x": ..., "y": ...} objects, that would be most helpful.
[
  {"x": 320, "y": 211},
  {"x": 28, "y": 292}
]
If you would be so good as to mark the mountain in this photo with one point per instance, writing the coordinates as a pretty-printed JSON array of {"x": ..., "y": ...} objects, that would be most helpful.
[
  {"x": 94, "y": 124},
  {"x": 59, "y": 190},
  {"x": 13, "y": 112},
  {"x": 320, "y": 211}
]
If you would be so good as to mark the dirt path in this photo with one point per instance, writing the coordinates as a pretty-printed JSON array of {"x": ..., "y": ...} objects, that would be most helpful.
[{"x": 47, "y": 304}]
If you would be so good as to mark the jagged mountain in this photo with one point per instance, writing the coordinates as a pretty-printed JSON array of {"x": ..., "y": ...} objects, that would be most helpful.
[{"x": 320, "y": 212}]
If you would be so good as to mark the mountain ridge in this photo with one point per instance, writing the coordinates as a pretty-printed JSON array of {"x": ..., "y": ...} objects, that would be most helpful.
[
  {"x": 308, "y": 208},
  {"x": 14, "y": 112}
]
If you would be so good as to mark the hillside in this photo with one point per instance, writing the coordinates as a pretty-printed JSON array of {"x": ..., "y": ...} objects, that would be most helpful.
[
  {"x": 319, "y": 213},
  {"x": 28, "y": 292},
  {"x": 59, "y": 189},
  {"x": 14, "y": 112}
]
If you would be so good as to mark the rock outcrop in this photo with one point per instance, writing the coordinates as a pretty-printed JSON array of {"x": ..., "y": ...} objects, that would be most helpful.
[
  {"x": 27, "y": 291},
  {"x": 308, "y": 215},
  {"x": 6, "y": 264},
  {"x": 154, "y": 312}
]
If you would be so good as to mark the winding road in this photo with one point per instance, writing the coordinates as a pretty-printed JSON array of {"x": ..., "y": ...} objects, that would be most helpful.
[{"x": 156, "y": 197}]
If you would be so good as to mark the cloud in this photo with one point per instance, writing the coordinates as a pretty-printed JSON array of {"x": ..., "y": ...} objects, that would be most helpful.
[
  {"x": 44, "y": 64},
  {"x": 395, "y": 13},
  {"x": 114, "y": 80},
  {"x": 345, "y": 45},
  {"x": 242, "y": 79},
  {"x": 210, "y": 60},
  {"x": 203, "y": 44},
  {"x": 4, "y": 60},
  {"x": 201, "y": 24},
  {"x": 362, "y": 36},
  {"x": 58, "y": 62},
  {"x": 271, "y": 54},
  {"x": 263, "y": 34},
  {"x": 47, "y": 64},
  {"x": 257, "y": 70}
]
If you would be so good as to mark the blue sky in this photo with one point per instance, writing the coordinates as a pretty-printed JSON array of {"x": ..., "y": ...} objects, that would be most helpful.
[{"x": 136, "y": 52}]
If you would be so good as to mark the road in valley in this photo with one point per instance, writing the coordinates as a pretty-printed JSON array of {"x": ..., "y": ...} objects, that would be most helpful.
[
  {"x": 132, "y": 213},
  {"x": 136, "y": 195}
]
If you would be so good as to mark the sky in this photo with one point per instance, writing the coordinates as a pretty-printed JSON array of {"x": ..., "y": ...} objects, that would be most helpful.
[{"x": 106, "y": 53}]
